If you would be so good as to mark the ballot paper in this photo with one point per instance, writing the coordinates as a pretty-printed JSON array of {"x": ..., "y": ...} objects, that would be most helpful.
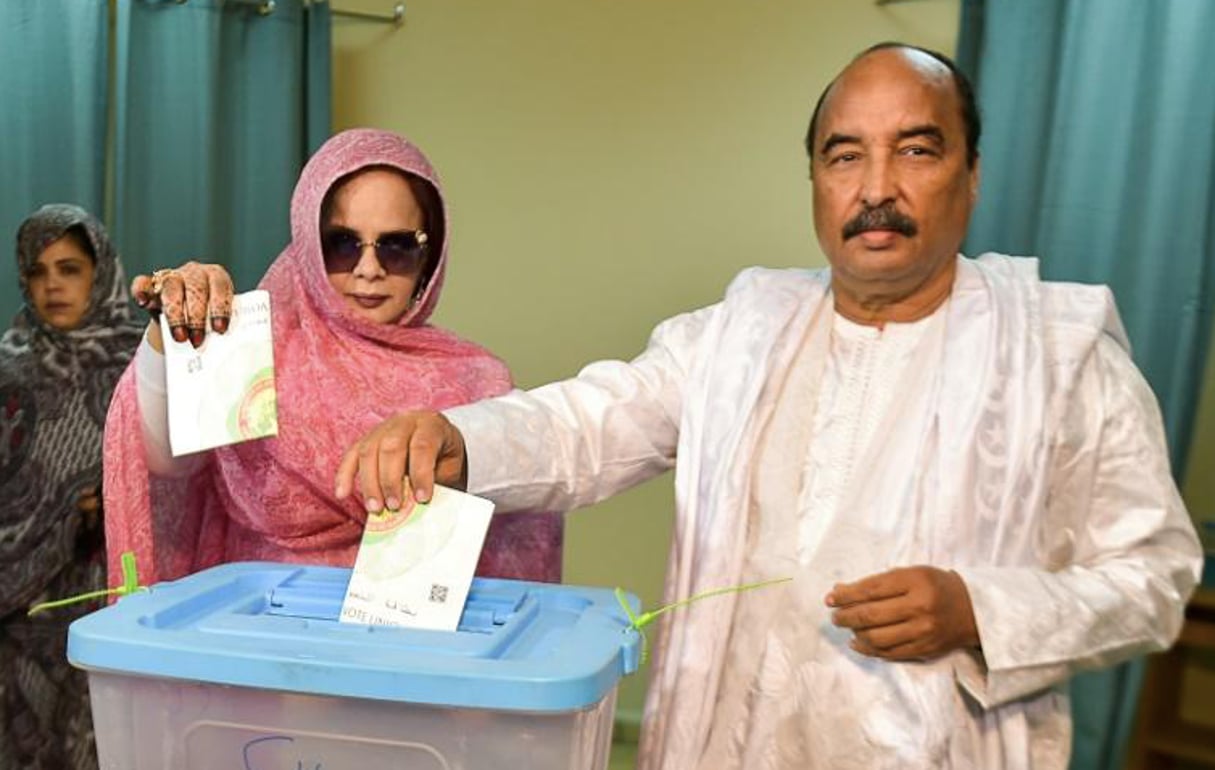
[
  {"x": 222, "y": 392},
  {"x": 415, "y": 565}
]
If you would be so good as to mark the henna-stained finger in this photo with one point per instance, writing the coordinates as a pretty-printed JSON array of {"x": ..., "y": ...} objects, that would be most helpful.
[
  {"x": 221, "y": 292},
  {"x": 173, "y": 304}
]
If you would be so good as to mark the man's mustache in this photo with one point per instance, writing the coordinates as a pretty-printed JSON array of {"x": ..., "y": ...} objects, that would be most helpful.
[{"x": 884, "y": 217}]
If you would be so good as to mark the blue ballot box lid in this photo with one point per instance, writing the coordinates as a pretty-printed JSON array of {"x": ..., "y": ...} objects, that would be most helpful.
[{"x": 520, "y": 646}]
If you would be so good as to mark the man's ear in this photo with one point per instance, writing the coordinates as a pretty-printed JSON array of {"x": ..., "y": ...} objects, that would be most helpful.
[{"x": 974, "y": 182}]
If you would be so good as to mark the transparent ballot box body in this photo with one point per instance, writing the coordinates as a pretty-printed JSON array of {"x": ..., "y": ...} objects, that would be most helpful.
[{"x": 245, "y": 667}]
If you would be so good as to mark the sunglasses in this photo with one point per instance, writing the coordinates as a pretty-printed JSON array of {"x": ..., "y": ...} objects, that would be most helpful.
[{"x": 399, "y": 253}]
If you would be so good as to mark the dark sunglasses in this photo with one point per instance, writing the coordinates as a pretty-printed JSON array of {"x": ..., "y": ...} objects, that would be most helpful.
[{"x": 399, "y": 253}]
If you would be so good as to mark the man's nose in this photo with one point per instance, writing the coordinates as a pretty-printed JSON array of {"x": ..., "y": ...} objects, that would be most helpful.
[{"x": 878, "y": 185}]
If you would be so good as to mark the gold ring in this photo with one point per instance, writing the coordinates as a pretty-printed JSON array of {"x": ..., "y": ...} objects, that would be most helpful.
[{"x": 158, "y": 279}]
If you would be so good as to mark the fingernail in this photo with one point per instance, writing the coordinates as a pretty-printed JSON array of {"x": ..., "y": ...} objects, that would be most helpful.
[
  {"x": 422, "y": 497},
  {"x": 196, "y": 337},
  {"x": 829, "y": 600},
  {"x": 372, "y": 505},
  {"x": 393, "y": 504},
  {"x": 339, "y": 493},
  {"x": 219, "y": 323},
  {"x": 179, "y": 333}
]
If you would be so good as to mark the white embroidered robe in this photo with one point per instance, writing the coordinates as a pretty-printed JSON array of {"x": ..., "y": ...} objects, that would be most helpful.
[{"x": 1024, "y": 450}]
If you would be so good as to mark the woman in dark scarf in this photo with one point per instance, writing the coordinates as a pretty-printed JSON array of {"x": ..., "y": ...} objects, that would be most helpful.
[{"x": 58, "y": 365}]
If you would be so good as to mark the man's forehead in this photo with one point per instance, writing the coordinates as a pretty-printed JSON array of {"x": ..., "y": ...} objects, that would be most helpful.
[
  {"x": 896, "y": 84},
  {"x": 902, "y": 57}
]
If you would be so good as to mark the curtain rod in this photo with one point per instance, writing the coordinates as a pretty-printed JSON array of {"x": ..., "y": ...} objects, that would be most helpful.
[
  {"x": 267, "y": 7},
  {"x": 397, "y": 17},
  {"x": 263, "y": 7}
]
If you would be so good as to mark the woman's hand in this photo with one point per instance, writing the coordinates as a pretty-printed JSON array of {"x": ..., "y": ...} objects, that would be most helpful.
[
  {"x": 88, "y": 503},
  {"x": 186, "y": 295},
  {"x": 424, "y": 445}
]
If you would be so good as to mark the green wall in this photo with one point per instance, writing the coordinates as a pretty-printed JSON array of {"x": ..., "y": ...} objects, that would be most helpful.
[{"x": 1199, "y": 487}]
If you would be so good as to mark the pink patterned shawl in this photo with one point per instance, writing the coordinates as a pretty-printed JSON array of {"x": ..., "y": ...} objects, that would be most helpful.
[{"x": 337, "y": 376}]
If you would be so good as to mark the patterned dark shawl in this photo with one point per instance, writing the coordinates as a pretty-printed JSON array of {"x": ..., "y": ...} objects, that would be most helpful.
[{"x": 55, "y": 388}]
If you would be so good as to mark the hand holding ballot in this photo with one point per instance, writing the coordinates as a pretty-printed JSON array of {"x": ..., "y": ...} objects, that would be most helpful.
[
  {"x": 423, "y": 447},
  {"x": 187, "y": 297}
]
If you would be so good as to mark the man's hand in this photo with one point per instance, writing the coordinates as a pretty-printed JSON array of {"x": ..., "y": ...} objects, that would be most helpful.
[
  {"x": 423, "y": 444},
  {"x": 912, "y": 613}
]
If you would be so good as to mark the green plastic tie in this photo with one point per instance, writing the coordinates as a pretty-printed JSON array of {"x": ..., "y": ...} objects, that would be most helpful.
[
  {"x": 130, "y": 585},
  {"x": 639, "y": 622}
]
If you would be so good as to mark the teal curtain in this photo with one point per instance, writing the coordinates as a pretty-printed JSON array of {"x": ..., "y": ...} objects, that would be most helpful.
[
  {"x": 318, "y": 92},
  {"x": 53, "y": 118},
  {"x": 1098, "y": 156},
  {"x": 218, "y": 106}
]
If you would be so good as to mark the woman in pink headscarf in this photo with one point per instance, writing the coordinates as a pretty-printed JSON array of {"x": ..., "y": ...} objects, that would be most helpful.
[{"x": 350, "y": 296}]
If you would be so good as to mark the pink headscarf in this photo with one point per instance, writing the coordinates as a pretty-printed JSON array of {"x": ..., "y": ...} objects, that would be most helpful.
[{"x": 337, "y": 376}]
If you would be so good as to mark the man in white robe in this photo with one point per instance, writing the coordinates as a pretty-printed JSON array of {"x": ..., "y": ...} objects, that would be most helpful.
[{"x": 957, "y": 462}]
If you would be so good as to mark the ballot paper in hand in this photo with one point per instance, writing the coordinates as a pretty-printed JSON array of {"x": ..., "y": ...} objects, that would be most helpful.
[
  {"x": 222, "y": 392},
  {"x": 415, "y": 565}
]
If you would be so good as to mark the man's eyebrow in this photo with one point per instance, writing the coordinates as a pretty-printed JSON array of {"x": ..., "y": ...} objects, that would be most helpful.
[
  {"x": 929, "y": 131},
  {"x": 838, "y": 139},
  {"x": 926, "y": 131}
]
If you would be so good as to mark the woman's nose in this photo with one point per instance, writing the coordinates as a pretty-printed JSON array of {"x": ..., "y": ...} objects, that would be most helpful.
[{"x": 369, "y": 265}]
